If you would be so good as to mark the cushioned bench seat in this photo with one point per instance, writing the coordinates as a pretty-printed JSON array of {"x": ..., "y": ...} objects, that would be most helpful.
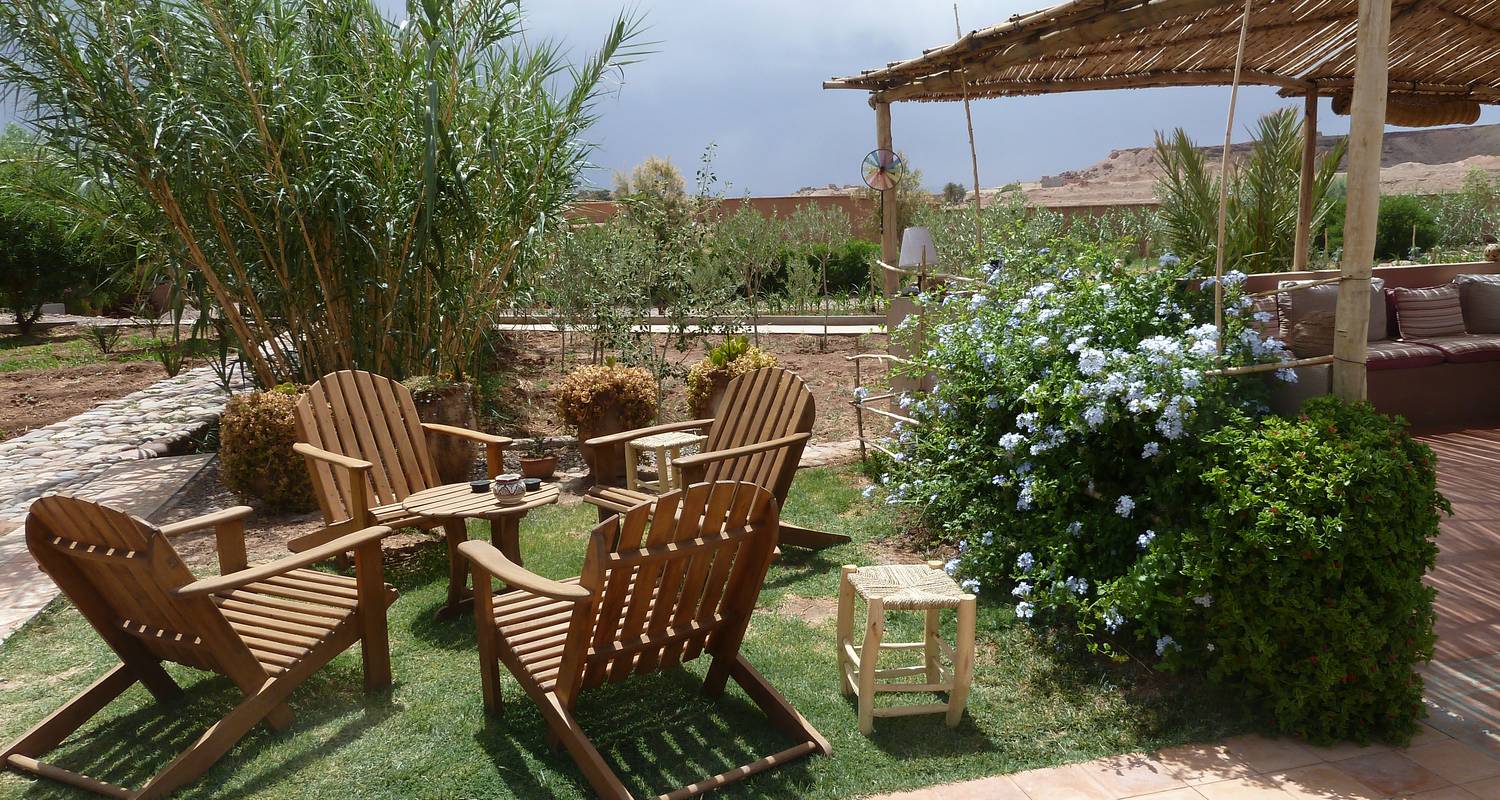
[
  {"x": 1391, "y": 354},
  {"x": 1469, "y": 348}
]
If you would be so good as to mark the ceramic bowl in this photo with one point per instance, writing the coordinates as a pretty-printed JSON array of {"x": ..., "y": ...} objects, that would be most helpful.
[{"x": 508, "y": 489}]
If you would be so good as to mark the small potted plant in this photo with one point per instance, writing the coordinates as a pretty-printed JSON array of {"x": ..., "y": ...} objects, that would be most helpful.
[
  {"x": 537, "y": 459},
  {"x": 602, "y": 399},
  {"x": 708, "y": 379}
]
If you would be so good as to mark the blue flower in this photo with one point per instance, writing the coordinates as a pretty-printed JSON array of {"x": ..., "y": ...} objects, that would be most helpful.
[
  {"x": 951, "y": 567},
  {"x": 1288, "y": 375},
  {"x": 1023, "y": 589},
  {"x": 1024, "y": 610},
  {"x": 1113, "y": 620},
  {"x": 1150, "y": 450},
  {"x": 1145, "y": 539},
  {"x": 1011, "y": 441},
  {"x": 1025, "y": 562},
  {"x": 1124, "y": 505},
  {"x": 1204, "y": 600},
  {"x": 1078, "y": 586},
  {"x": 970, "y": 585},
  {"x": 1075, "y": 527},
  {"x": 869, "y": 491},
  {"x": 1165, "y": 643},
  {"x": 1168, "y": 259},
  {"x": 988, "y": 538}
]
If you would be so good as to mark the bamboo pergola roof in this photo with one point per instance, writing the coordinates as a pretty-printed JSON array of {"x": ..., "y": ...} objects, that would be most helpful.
[{"x": 1443, "y": 48}]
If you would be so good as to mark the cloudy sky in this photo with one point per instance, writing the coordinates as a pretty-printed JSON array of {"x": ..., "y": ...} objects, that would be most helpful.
[{"x": 747, "y": 77}]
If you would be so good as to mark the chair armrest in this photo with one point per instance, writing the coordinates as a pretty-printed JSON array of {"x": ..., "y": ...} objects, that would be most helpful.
[
  {"x": 229, "y": 535},
  {"x": 280, "y": 566},
  {"x": 486, "y": 558},
  {"x": 212, "y": 519},
  {"x": 465, "y": 433},
  {"x": 351, "y": 464},
  {"x": 703, "y": 459},
  {"x": 669, "y": 427}
]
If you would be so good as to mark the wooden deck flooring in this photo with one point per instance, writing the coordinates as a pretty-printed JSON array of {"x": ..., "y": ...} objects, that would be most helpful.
[{"x": 1463, "y": 680}]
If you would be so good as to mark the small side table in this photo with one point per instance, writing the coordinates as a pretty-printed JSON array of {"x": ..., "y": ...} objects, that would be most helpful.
[
  {"x": 905, "y": 587},
  {"x": 458, "y": 501},
  {"x": 668, "y": 448}
]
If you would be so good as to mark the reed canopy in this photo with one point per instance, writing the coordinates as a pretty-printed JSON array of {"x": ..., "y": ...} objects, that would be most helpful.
[
  {"x": 355, "y": 190},
  {"x": 1441, "y": 51}
]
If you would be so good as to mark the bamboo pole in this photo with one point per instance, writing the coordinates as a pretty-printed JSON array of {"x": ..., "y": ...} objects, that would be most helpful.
[
  {"x": 1366, "y": 131},
  {"x": 890, "y": 243},
  {"x": 1234, "y": 94},
  {"x": 1302, "y": 243},
  {"x": 973, "y": 151}
]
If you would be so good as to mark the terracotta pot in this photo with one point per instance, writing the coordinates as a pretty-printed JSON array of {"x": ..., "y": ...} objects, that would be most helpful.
[
  {"x": 720, "y": 382},
  {"x": 538, "y": 466},
  {"x": 608, "y": 465},
  {"x": 453, "y": 405}
]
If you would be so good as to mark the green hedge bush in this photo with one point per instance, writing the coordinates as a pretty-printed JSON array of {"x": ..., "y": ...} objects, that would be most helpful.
[{"x": 1313, "y": 546}]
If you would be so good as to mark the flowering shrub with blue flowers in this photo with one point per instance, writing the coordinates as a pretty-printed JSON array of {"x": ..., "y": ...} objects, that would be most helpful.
[{"x": 1077, "y": 453}]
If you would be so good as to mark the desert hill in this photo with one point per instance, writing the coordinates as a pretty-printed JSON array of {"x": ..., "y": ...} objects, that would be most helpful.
[{"x": 1421, "y": 161}]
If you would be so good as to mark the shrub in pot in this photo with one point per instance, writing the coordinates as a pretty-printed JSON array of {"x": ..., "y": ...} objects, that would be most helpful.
[
  {"x": 446, "y": 402},
  {"x": 538, "y": 460},
  {"x": 603, "y": 399},
  {"x": 707, "y": 379},
  {"x": 256, "y": 459}
]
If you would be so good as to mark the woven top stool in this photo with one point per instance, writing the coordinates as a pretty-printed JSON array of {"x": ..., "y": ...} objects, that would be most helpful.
[
  {"x": 905, "y": 587},
  {"x": 668, "y": 448}
]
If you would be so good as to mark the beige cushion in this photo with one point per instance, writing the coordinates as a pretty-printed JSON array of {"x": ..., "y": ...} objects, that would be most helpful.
[
  {"x": 1479, "y": 297},
  {"x": 1428, "y": 313},
  {"x": 1307, "y": 316}
]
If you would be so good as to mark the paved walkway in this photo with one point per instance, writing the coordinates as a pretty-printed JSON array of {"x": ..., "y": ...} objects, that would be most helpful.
[
  {"x": 808, "y": 329},
  {"x": 1455, "y": 757},
  {"x": 101, "y": 453},
  {"x": 73, "y": 452}
]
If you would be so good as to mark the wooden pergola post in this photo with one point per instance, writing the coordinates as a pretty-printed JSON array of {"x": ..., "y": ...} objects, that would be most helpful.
[
  {"x": 890, "y": 236},
  {"x": 1303, "y": 243},
  {"x": 1366, "y": 132}
]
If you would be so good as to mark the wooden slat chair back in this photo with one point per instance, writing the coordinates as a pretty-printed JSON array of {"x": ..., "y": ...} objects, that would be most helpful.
[
  {"x": 662, "y": 584},
  {"x": 371, "y": 418},
  {"x": 768, "y": 404},
  {"x": 266, "y": 628},
  {"x": 121, "y": 573}
]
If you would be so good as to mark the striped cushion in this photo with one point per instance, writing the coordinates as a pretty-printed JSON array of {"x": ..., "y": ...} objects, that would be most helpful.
[{"x": 1428, "y": 313}]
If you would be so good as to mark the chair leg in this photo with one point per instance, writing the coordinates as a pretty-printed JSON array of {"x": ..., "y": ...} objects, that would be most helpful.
[
  {"x": 963, "y": 661},
  {"x": 220, "y": 737},
  {"x": 869, "y": 657},
  {"x": 374, "y": 636},
  {"x": 591, "y": 763},
  {"x": 60, "y": 724},
  {"x": 845, "y": 636}
]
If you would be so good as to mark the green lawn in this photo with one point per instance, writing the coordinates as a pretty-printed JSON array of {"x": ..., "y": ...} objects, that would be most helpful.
[
  {"x": 1037, "y": 700},
  {"x": 72, "y": 349}
]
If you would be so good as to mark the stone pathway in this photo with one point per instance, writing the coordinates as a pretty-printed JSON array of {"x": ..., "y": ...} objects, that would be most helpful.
[
  {"x": 100, "y": 453},
  {"x": 73, "y": 452}
]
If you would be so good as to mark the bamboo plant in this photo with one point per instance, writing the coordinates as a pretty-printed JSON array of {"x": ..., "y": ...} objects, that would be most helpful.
[{"x": 355, "y": 191}]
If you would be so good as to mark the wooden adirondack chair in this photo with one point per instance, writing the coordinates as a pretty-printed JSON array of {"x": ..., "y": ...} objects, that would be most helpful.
[
  {"x": 764, "y": 422},
  {"x": 266, "y": 628},
  {"x": 366, "y": 451},
  {"x": 703, "y": 553}
]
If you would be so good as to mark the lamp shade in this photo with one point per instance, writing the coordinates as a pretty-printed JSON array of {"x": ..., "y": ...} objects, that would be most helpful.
[{"x": 917, "y": 249}]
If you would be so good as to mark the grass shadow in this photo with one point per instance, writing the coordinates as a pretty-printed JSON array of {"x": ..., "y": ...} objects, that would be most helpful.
[
  {"x": 657, "y": 732},
  {"x": 130, "y": 748}
]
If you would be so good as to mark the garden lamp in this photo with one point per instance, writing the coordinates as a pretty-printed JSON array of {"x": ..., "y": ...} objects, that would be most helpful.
[{"x": 917, "y": 251}]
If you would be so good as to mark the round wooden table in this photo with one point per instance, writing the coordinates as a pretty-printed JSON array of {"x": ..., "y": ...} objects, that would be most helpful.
[{"x": 458, "y": 501}]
